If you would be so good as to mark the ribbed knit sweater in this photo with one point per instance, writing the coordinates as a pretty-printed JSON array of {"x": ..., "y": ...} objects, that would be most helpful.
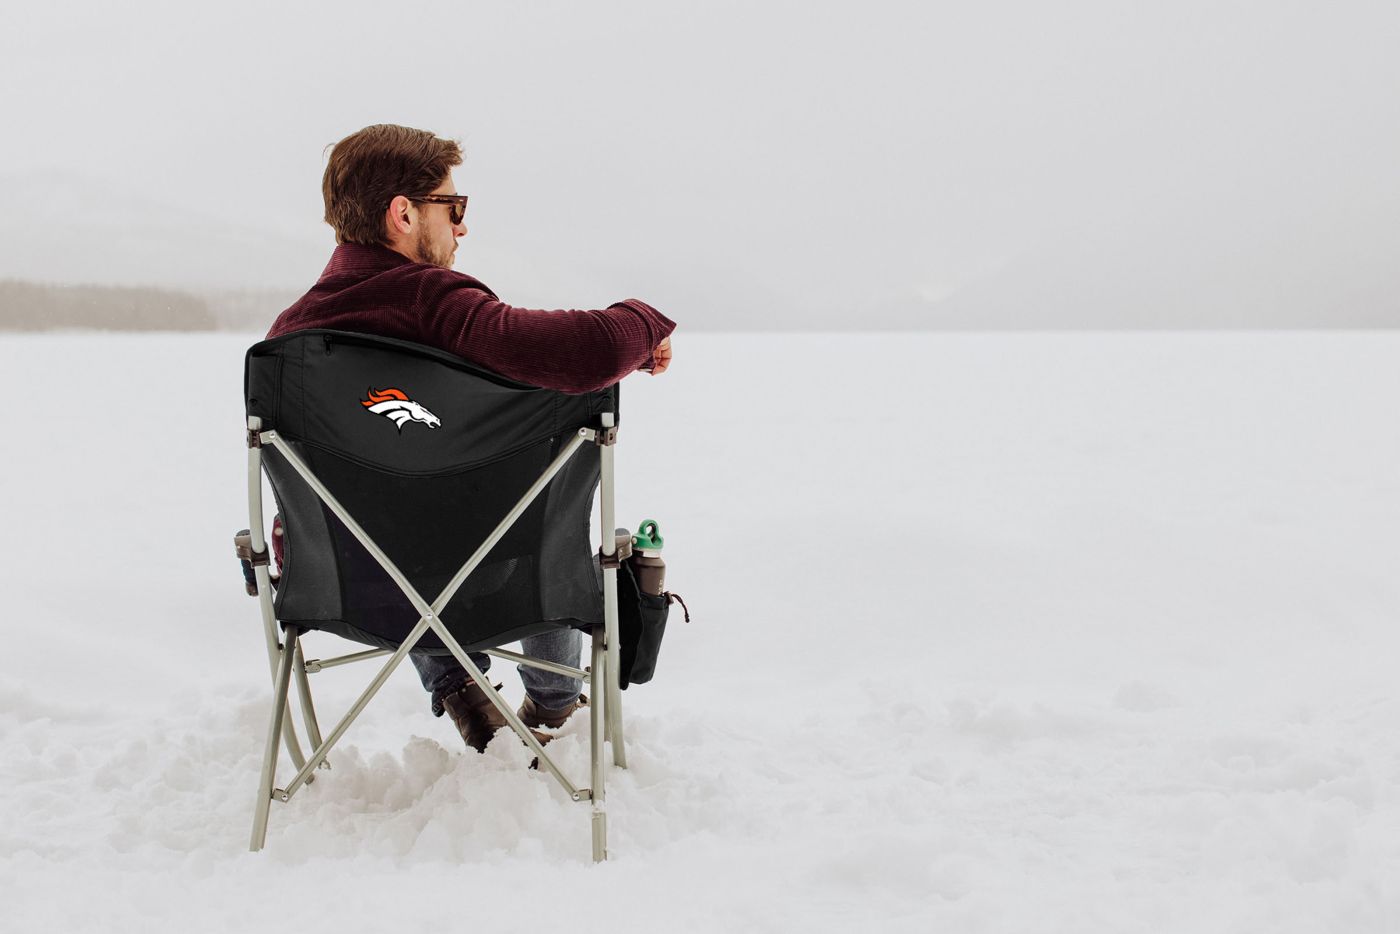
[{"x": 374, "y": 290}]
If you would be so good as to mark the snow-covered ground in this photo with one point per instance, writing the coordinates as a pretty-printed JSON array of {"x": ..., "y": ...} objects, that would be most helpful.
[{"x": 1007, "y": 633}]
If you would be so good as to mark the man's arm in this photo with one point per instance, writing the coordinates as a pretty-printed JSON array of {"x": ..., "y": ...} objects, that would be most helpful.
[{"x": 572, "y": 351}]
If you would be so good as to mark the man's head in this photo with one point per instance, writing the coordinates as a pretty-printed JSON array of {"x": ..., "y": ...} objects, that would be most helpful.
[{"x": 374, "y": 184}]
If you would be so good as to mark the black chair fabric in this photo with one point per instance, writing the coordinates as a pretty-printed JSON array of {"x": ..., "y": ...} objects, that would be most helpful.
[{"x": 428, "y": 453}]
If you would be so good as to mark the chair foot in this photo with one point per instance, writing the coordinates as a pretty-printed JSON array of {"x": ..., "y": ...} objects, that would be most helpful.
[{"x": 600, "y": 836}]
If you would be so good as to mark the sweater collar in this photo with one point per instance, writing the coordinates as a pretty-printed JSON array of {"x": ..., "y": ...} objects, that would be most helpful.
[{"x": 359, "y": 259}]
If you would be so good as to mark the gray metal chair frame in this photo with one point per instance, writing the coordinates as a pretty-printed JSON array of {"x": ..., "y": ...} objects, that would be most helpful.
[{"x": 285, "y": 656}]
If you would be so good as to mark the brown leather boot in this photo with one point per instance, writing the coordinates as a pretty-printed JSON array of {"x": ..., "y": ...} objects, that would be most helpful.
[
  {"x": 533, "y": 714},
  {"x": 476, "y": 718}
]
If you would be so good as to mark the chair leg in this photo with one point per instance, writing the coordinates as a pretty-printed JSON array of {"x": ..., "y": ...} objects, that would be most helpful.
[
  {"x": 613, "y": 711},
  {"x": 289, "y": 733},
  {"x": 597, "y": 727},
  {"x": 274, "y": 735},
  {"x": 308, "y": 710},
  {"x": 608, "y": 687}
]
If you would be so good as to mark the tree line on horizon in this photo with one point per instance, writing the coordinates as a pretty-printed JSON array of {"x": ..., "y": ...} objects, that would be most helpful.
[{"x": 36, "y": 306}]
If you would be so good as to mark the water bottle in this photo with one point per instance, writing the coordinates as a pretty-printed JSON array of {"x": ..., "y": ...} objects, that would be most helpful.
[
  {"x": 243, "y": 546},
  {"x": 647, "y": 566}
]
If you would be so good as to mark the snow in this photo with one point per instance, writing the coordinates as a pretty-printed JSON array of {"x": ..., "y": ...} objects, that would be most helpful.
[{"x": 1079, "y": 632}]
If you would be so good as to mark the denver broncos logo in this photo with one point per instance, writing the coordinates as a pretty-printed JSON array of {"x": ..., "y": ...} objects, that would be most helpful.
[{"x": 395, "y": 405}]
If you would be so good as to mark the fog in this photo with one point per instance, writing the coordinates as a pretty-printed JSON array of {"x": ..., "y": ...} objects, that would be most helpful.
[{"x": 776, "y": 165}]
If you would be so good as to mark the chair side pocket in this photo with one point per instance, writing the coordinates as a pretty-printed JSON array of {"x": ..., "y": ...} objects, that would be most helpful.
[{"x": 641, "y": 624}]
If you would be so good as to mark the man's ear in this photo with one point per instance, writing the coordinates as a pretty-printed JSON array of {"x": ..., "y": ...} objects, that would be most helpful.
[{"x": 398, "y": 219}]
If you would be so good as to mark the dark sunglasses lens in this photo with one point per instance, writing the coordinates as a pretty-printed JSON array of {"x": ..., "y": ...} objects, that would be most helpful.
[{"x": 458, "y": 211}]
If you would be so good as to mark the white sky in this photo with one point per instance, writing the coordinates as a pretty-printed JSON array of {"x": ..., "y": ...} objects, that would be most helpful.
[{"x": 767, "y": 164}]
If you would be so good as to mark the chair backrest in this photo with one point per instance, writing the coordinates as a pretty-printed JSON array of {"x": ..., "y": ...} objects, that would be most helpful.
[{"x": 427, "y": 452}]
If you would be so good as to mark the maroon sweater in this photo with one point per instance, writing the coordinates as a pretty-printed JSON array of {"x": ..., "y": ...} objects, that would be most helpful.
[{"x": 374, "y": 290}]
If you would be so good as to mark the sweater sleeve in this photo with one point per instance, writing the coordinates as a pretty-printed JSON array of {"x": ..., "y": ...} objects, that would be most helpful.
[{"x": 571, "y": 351}]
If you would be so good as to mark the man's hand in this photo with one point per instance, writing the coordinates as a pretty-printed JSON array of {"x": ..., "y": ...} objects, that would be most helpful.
[{"x": 661, "y": 357}]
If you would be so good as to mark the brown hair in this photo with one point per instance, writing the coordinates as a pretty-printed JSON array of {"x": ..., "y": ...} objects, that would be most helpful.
[{"x": 369, "y": 168}]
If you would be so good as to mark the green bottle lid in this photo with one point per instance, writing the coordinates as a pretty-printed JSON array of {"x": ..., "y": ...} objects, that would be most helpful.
[{"x": 648, "y": 536}]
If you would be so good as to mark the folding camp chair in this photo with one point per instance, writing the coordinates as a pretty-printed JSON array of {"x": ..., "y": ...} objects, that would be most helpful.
[{"x": 432, "y": 505}]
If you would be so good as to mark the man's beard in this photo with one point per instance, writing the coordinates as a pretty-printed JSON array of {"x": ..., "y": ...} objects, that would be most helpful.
[{"x": 428, "y": 253}]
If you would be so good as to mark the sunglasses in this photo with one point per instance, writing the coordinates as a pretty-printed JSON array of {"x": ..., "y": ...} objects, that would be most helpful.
[{"x": 456, "y": 204}]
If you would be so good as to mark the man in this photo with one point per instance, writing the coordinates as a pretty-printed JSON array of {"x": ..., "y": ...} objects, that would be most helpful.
[{"x": 397, "y": 217}]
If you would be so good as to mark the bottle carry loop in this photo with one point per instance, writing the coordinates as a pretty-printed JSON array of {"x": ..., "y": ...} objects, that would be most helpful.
[{"x": 676, "y": 598}]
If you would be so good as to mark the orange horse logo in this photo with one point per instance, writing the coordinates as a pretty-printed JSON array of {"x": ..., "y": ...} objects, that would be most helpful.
[{"x": 395, "y": 405}]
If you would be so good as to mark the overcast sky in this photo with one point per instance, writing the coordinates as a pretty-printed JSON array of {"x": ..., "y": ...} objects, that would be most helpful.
[{"x": 766, "y": 164}]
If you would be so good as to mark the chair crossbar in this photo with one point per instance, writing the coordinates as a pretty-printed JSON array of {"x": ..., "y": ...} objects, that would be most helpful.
[
  {"x": 531, "y": 662},
  {"x": 321, "y": 664},
  {"x": 429, "y": 614}
]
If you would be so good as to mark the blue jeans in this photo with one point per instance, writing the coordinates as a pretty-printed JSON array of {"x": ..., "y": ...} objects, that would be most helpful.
[{"x": 442, "y": 675}]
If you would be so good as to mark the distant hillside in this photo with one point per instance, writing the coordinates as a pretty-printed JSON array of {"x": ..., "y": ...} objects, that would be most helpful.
[
  {"x": 248, "y": 309},
  {"x": 34, "y": 306},
  {"x": 38, "y": 306}
]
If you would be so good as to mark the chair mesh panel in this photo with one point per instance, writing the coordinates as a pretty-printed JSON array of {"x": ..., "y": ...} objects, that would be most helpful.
[{"x": 430, "y": 510}]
